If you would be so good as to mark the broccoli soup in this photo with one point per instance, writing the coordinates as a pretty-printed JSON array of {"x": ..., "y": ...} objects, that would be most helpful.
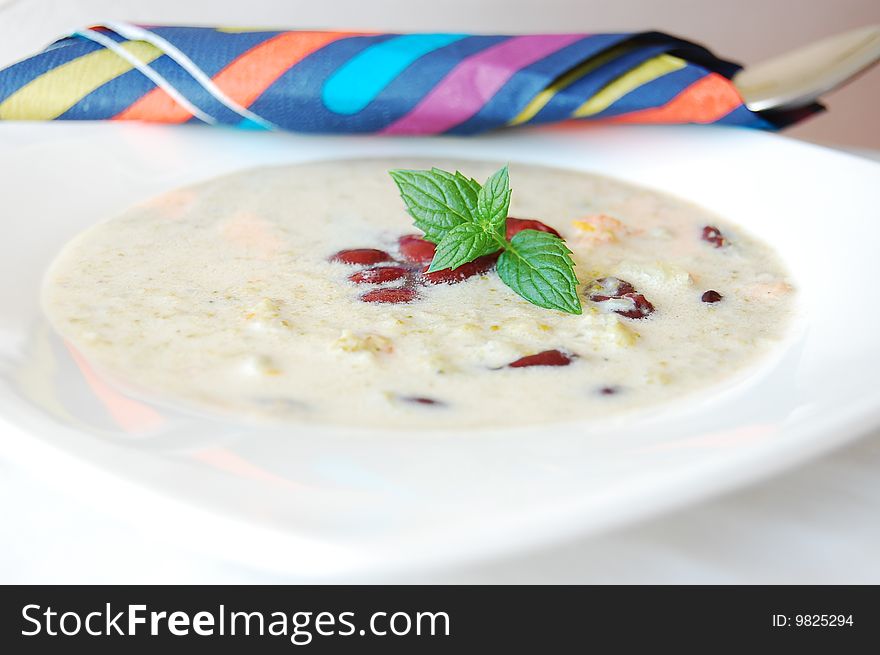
[{"x": 303, "y": 293}]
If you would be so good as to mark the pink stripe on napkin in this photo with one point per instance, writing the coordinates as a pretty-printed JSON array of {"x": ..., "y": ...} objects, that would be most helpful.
[{"x": 473, "y": 82}]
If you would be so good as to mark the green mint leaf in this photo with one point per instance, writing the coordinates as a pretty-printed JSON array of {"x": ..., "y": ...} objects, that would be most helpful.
[
  {"x": 538, "y": 266},
  {"x": 468, "y": 182},
  {"x": 463, "y": 244},
  {"x": 493, "y": 201},
  {"x": 438, "y": 201}
]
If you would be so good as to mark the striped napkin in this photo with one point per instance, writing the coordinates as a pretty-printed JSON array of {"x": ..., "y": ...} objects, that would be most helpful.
[{"x": 355, "y": 82}]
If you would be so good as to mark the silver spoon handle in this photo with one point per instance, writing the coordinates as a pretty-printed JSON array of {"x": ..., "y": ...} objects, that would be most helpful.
[{"x": 798, "y": 78}]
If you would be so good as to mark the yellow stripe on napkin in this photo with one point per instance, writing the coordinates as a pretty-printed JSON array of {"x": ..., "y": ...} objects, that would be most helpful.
[
  {"x": 564, "y": 81},
  {"x": 642, "y": 74},
  {"x": 54, "y": 92}
]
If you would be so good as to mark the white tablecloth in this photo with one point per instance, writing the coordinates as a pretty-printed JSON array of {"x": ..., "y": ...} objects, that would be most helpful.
[{"x": 819, "y": 523}]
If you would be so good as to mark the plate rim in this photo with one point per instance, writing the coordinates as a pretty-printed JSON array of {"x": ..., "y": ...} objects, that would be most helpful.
[{"x": 859, "y": 422}]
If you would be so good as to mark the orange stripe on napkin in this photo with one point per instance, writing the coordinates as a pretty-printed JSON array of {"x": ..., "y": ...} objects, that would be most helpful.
[
  {"x": 705, "y": 101},
  {"x": 243, "y": 79}
]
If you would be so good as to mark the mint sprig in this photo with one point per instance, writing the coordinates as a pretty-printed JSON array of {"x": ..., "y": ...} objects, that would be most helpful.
[{"x": 467, "y": 220}]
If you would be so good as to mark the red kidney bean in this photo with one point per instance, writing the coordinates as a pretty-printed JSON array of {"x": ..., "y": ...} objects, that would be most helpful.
[
  {"x": 546, "y": 358},
  {"x": 415, "y": 249},
  {"x": 713, "y": 235},
  {"x": 378, "y": 275},
  {"x": 455, "y": 275},
  {"x": 610, "y": 287},
  {"x": 390, "y": 295},
  {"x": 515, "y": 225},
  {"x": 641, "y": 307},
  {"x": 363, "y": 256}
]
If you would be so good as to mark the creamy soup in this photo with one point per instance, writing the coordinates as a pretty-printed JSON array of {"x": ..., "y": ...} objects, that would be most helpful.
[{"x": 296, "y": 293}]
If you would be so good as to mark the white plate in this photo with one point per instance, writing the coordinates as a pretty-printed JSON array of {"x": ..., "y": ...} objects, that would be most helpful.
[{"x": 332, "y": 503}]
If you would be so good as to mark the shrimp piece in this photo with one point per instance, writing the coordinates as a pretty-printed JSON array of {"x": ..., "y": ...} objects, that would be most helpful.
[
  {"x": 599, "y": 228},
  {"x": 253, "y": 233}
]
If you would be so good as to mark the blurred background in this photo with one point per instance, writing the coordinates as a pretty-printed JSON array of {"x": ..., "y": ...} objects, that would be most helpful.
[{"x": 743, "y": 30}]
